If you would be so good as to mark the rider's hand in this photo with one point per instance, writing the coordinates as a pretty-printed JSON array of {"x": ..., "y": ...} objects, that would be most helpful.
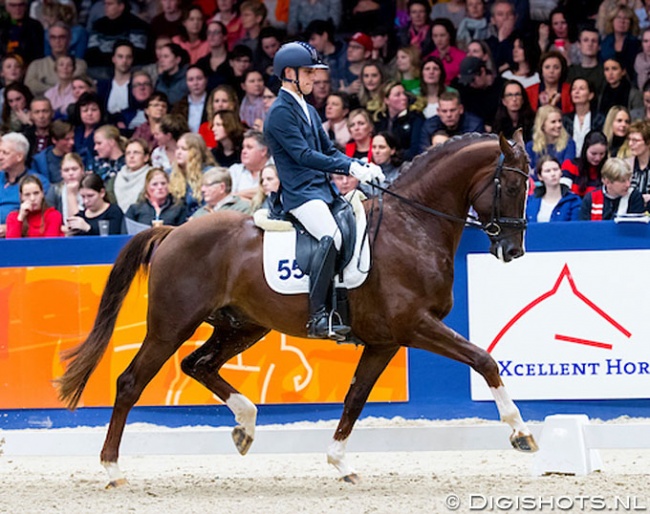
[
  {"x": 375, "y": 172},
  {"x": 360, "y": 172}
]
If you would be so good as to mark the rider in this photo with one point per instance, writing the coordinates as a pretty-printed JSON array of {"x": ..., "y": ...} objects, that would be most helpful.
[{"x": 304, "y": 155}]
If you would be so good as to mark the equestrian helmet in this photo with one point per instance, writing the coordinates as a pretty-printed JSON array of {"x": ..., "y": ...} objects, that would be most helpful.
[{"x": 296, "y": 55}]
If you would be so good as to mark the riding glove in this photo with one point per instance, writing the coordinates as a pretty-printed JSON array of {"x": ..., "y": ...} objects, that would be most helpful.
[{"x": 366, "y": 173}]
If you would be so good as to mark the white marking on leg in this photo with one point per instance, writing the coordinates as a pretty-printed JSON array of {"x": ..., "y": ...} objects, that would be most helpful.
[
  {"x": 336, "y": 457},
  {"x": 115, "y": 474},
  {"x": 508, "y": 411},
  {"x": 245, "y": 412}
]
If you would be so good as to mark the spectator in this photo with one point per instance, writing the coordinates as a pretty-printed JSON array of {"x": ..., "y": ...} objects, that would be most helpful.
[
  {"x": 549, "y": 137},
  {"x": 37, "y": 131},
  {"x": 320, "y": 35},
  {"x": 48, "y": 161},
  {"x": 216, "y": 189},
  {"x": 418, "y": 31},
  {"x": 15, "y": 110},
  {"x": 384, "y": 47},
  {"x": 124, "y": 188},
  {"x": 168, "y": 22},
  {"x": 552, "y": 200},
  {"x": 270, "y": 42},
  {"x": 14, "y": 150},
  {"x": 439, "y": 138},
  {"x": 240, "y": 60},
  {"x": 559, "y": 36},
  {"x": 156, "y": 68},
  {"x": 386, "y": 153},
  {"x": 451, "y": 118},
  {"x": 253, "y": 15},
  {"x": 588, "y": 67},
  {"x": 525, "y": 58},
  {"x": 642, "y": 61},
  {"x": 193, "y": 107},
  {"x": 336, "y": 114},
  {"x": 229, "y": 135},
  {"x": 117, "y": 24},
  {"x": 141, "y": 91},
  {"x": 361, "y": 127},
  {"x": 303, "y": 12},
  {"x": 34, "y": 218},
  {"x": 228, "y": 16},
  {"x": 344, "y": 183},
  {"x": 80, "y": 84},
  {"x": 19, "y": 34},
  {"x": 621, "y": 41},
  {"x": 222, "y": 98},
  {"x": 454, "y": 11},
  {"x": 96, "y": 209},
  {"x": 269, "y": 183},
  {"x": 268, "y": 98},
  {"x": 432, "y": 84},
  {"x": 585, "y": 118},
  {"x": 552, "y": 89},
  {"x": 215, "y": 62},
  {"x": 156, "y": 108},
  {"x": 64, "y": 195},
  {"x": 90, "y": 117},
  {"x": 480, "y": 90},
  {"x": 192, "y": 159},
  {"x": 618, "y": 90},
  {"x": 41, "y": 73},
  {"x": 408, "y": 68},
  {"x": 616, "y": 197},
  {"x": 443, "y": 35},
  {"x": 173, "y": 67},
  {"x": 638, "y": 139},
  {"x": 252, "y": 105},
  {"x": 60, "y": 95},
  {"x": 193, "y": 35},
  {"x": 396, "y": 117},
  {"x": 359, "y": 49},
  {"x": 109, "y": 152},
  {"x": 474, "y": 25},
  {"x": 66, "y": 14},
  {"x": 514, "y": 111},
  {"x": 616, "y": 127},
  {"x": 583, "y": 175},
  {"x": 156, "y": 203},
  {"x": 502, "y": 33},
  {"x": 481, "y": 50},
  {"x": 115, "y": 90},
  {"x": 321, "y": 89},
  {"x": 255, "y": 155},
  {"x": 646, "y": 100},
  {"x": 11, "y": 72},
  {"x": 170, "y": 129}
]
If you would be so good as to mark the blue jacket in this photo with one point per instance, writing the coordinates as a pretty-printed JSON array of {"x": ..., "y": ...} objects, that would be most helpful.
[
  {"x": 46, "y": 163},
  {"x": 303, "y": 153},
  {"x": 567, "y": 209}
]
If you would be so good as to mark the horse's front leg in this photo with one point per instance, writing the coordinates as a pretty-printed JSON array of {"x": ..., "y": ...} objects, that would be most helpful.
[
  {"x": 373, "y": 361},
  {"x": 434, "y": 336}
]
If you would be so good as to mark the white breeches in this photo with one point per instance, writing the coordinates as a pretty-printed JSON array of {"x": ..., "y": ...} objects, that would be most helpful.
[{"x": 316, "y": 217}]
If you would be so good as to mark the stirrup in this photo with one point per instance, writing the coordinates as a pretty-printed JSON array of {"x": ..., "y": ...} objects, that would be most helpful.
[
  {"x": 342, "y": 329},
  {"x": 321, "y": 326}
]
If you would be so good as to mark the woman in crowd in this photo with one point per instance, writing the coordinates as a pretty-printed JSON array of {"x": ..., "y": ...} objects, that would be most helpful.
[
  {"x": 269, "y": 183},
  {"x": 549, "y": 137},
  {"x": 252, "y": 105},
  {"x": 372, "y": 77},
  {"x": 360, "y": 127},
  {"x": 621, "y": 41},
  {"x": 156, "y": 202},
  {"x": 174, "y": 62},
  {"x": 552, "y": 89},
  {"x": 192, "y": 158},
  {"x": 616, "y": 127},
  {"x": 125, "y": 188},
  {"x": 229, "y": 135},
  {"x": 15, "y": 111},
  {"x": 61, "y": 95},
  {"x": 90, "y": 115},
  {"x": 432, "y": 84},
  {"x": 638, "y": 140},
  {"x": 193, "y": 37},
  {"x": 585, "y": 118},
  {"x": 154, "y": 111},
  {"x": 552, "y": 200},
  {"x": 109, "y": 151},
  {"x": 443, "y": 35},
  {"x": 96, "y": 209},
  {"x": 395, "y": 116},
  {"x": 525, "y": 58},
  {"x": 559, "y": 36},
  {"x": 268, "y": 97},
  {"x": 336, "y": 113},
  {"x": 514, "y": 111},
  {"x": 386, "y": 153},
  {"x": 474, "y": 26},
  {"x": 480, "y": 49},
  {"x": 172, "y": 126},
  {"x": 584, "y": 173},
  {"x": 12, "y": 71},
  {"x": 417, "y": 32},
  {"x": 80, "y": 84},
  {"x": 408, "y": 68},
  {"x": 618, "y": 90},
  {"x": 221, "y": 98},
  {"x": 642, "y": 60},
  {"x": 34, "y": 218},
  {"x": 64, "y": 196}
]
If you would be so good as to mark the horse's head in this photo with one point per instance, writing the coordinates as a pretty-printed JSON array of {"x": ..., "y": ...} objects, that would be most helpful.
[{"x": 501, "y": 201}]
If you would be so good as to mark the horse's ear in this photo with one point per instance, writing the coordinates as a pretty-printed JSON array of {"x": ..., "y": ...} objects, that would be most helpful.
[
  {"x": 518, "y": 138},
  {"x": 506, "y": 149}
]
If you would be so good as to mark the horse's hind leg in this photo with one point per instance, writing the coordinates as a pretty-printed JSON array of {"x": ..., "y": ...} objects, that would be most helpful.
[
  {"x": 436, "y": 337},
  {"x": 374, "y": 360},
  {"x": 232, "y": 335}
]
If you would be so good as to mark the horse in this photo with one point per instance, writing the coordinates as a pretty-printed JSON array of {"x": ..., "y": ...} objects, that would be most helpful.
[{"x": 408, "y": 291}]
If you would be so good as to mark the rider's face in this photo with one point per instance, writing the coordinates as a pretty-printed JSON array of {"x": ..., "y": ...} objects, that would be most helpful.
[{"x": 306, "y": 78}]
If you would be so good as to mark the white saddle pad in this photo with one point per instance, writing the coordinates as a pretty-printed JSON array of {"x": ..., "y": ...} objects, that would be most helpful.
[{"x": 281, "y": 269}]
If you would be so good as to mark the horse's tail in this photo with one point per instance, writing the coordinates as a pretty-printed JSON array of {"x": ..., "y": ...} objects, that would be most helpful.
[{"x": 134, "y": 256}]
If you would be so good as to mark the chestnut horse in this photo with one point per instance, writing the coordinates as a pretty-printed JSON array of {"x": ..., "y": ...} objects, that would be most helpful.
[{"x": 210, "y": 270}]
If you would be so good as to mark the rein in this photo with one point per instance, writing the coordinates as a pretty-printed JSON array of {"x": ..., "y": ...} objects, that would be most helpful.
[{"x": 492, "y": 228}]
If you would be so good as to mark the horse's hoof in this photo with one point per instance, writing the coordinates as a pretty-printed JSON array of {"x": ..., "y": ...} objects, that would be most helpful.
[
  {"x": 524, "y": 442},
  {"x": 114, "y": 484},
  {"x": 242, "y": 440},
  {"x": 352, "y": 478}
]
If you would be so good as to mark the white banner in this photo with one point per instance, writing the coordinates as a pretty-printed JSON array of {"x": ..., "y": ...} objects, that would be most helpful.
[{"x": 563, "y": 325}]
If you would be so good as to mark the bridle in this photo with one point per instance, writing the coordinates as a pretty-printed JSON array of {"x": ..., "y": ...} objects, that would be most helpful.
[{"x": 492, "y": 228}]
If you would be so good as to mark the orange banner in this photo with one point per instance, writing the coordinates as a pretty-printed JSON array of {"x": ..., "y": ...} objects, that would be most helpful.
[{"x": 45, "y": 310}]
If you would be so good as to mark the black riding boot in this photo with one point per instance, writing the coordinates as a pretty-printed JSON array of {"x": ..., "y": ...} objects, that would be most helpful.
[{"x": 320, "y": 282}]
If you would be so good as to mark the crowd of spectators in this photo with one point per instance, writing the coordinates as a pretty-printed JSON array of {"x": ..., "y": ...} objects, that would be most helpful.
[{"x": 125, "y": 113}]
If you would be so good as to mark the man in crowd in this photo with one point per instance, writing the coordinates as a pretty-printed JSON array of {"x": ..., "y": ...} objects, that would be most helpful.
[
  {"x": 589, "y": 67},
  {"x": 217, "y": 194},
  {"x": 48, "y": 162},
  {"x": 480, "y": 90},
  {"x": 115, "y": 91},
  {"x": 320, "y": 35},
  {"x": 19, "y": 34},
  {"x": 254, "y": 156},
  {"x": 41, "y": 115}
]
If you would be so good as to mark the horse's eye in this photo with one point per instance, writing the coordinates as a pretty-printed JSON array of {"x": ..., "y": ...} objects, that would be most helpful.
[{"x": 512, "y": 190}]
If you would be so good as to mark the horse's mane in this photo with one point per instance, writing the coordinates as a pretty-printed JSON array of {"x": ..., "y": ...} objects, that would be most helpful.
[{"x": 411, "y": 172}]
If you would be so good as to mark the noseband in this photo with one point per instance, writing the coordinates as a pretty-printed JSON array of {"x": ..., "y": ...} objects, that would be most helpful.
[{"x": 492, "y": 228}]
